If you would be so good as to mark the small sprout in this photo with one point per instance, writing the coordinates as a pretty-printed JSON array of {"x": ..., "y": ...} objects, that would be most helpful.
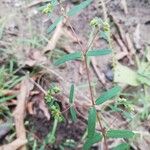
[{"x": 48, "y": 9}]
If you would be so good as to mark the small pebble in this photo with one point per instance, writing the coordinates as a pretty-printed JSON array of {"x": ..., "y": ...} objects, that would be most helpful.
[{"x": 109, "y": 74}]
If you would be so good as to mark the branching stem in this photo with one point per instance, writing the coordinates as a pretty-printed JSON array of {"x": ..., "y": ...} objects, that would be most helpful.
[{"x": 90, "y": 86}]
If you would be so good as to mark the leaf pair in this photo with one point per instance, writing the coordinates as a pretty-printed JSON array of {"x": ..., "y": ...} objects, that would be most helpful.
[
  {"x": 79, "y": 55},
  {"x": 72, "y": 12}
]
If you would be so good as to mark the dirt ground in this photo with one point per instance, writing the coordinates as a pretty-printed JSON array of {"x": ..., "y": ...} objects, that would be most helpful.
[{"x": 23, "y": 36}]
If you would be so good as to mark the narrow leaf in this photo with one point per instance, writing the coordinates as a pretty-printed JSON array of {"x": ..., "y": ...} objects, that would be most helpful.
[
  {"x": 104, "y": 35},
  {"x": 122, "y": 146},
  {"x": 90, "y": 141},
  {"x": 108, "y": 95},
  {"x": 78, "y": 8},
  {"x": 68, "y": 57},
  {"x": 98, "y": 52},
  {"x": 120, "y": 134},
  {"x": 53, "y": 26},
  {"x": 91, "y": 122},
  {"x": 71, "y": 96},
  {"x": 73, "y": 114}
]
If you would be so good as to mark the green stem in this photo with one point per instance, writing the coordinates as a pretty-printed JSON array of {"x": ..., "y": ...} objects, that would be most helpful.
[{"x": 54, "y": 127}]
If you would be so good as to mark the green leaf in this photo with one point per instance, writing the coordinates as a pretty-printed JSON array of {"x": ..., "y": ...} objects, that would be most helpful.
[
  {"x": 71, "y": 96},
  {"x": 90, "y": 141},
  {"x": 108, "y": 95},
  {"x": 73, "y": 114},
  {"x": 123, "y": 74},
  {"x": 122, "y": 146},
  {"x": 91, "y": 122},
  {"x": 53, "y": 26},
  {"x": 98, "y": 52},
  {"x": 68, "y": 57},
  {"x": 104, "y": 35},
  {"x": 78, "y": 8},
  {"x": 120, "y": 134}
]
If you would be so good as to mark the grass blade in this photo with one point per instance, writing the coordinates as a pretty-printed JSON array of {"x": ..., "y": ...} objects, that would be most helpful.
[
  {"x": 91, "y": 122},
  {"x": 120, "y": 134},
  {"x": 108, "y": 95},
  {"x": 78, "y": 8},
  {"x": 4, "y": 99},
  {"x": 68, "y": 57},
  {"x": 98, "y": 52},
  {"x": 90, "y": 141}
]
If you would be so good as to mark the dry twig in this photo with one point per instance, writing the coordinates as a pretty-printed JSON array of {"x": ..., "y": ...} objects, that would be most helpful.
[
  {"x": 130, "y": 46},
  {"x": 122, "y": 46},
  {"x": 53, "y": 41},
  {"x": 119, "y": 27},
  {"x": 14, "y": 145},
  {"x": 19, "y": 113},
  {"x": 124, "y": 42}
]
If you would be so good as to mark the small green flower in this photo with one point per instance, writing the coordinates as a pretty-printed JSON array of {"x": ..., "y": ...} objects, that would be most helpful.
[
  {"x": 126, "y": 104},
  {"x": 96, "y": 22},
  {"x": 48, "y": 9},
  {"x": 106, "y": 26}
]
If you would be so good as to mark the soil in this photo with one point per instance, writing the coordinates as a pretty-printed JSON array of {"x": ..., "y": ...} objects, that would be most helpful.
[{"x": 22, "y": 23}]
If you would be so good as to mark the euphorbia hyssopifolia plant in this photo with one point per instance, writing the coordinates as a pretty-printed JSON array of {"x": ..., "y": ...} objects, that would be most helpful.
[{"x": 102, "y": 27}]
